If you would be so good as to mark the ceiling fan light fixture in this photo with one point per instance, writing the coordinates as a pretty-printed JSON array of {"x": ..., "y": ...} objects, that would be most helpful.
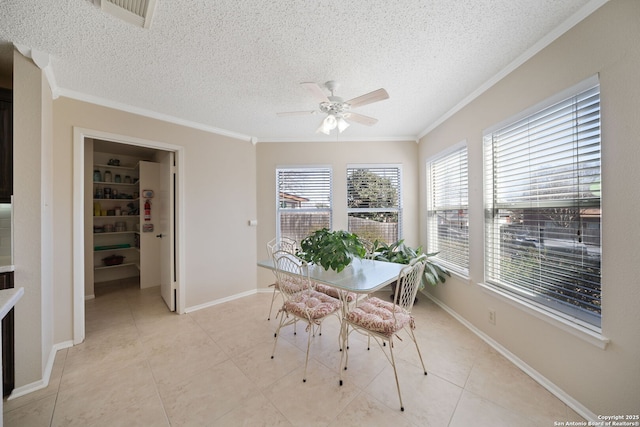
[
  {"x": 322, "y": 129},
  {"x": 331, "y": 122},
  {"x": 328, "y": 124},
  {"x": 337, "y": 109},
  {"x": 342, "y": 124}
]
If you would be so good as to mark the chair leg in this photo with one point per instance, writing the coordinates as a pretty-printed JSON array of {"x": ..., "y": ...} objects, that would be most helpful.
[
  {"x": 273, "y": 297},
  {"x": 395, "y": 372},
  {"x": 306, "y": 361},
  {"x": 275, "y": 336},
  {"x": 413, "y": 337},
  {"x": 277, "y": 333},
  {"x": 316, "y": 329},
  {"x": 344, "y": 357}
]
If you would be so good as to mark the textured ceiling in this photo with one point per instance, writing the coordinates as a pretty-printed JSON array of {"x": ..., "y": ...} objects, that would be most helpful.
[{"x": 232, "y": 64}]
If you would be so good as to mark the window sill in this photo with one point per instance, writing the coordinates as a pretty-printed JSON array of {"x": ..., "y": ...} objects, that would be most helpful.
[{"x": 588, "y": 335}]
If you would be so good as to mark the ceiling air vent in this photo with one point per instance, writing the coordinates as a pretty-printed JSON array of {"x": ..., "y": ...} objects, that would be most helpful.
[{"x": 137, "y": 12}]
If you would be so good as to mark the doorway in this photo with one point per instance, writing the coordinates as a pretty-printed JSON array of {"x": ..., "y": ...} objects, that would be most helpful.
[{"x": 167, "y": 231}]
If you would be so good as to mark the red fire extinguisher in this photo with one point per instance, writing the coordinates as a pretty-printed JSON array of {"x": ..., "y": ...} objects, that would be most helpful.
[{"x": 147, "y": 210}]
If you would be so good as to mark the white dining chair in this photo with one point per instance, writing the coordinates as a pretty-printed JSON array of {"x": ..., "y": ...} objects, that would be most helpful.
[
  {"x": 306, "y": 305},
  {"x": 382, "y": 320},
  {"x": 274, "y": 245}
]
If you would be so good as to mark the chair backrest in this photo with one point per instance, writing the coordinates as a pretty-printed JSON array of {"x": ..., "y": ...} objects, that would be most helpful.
[
  {"x": 282, "y": 244},
  {"x": 368, "y": 246},
  {"x": 291, "y": 273},
  {"x": 409, "y": 282}
]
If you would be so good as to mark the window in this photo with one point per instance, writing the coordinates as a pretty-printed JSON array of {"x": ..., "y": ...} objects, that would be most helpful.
[
  {"x": 542, "y": 206},
  {"x": 303, "y": 201},
  {"x": 447, "y": 209},
  {"x": 373, "y": 202}
]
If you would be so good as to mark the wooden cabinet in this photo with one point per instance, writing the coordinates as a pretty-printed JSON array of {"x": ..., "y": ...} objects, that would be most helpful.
[
  {"x": 8, "y": 345},
  {"x": 6, "y": 145}
]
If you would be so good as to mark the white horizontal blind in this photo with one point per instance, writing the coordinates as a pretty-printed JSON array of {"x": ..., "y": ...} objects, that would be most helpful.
[
  {"x": 374, "y": 204},
  {"x": 542, "y": 200},
  {"x": 447, "y": 209},
  {"x": 303, "y": 198},
  {"x": 134, "y": 6}
]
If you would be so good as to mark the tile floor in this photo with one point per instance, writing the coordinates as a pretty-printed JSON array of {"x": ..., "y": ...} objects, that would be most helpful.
[{"x": 141, "y": 365}]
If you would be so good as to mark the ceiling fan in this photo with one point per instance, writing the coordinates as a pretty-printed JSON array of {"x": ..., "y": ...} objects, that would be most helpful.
[{"x": 338, "y": 110}]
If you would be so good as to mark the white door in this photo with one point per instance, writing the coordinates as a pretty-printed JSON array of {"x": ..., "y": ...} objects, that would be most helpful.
[
  {"x": 149, "y": 245},
  {"x": 166, "y": 204}
]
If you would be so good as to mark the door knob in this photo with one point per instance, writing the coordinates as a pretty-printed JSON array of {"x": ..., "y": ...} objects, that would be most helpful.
[{"x": 159, "y": 235}]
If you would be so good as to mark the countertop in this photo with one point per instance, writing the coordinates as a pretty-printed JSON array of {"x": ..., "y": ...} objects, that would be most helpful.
[
  {"x": 6, "y": 268},
  {"x": 9, "y": 298}
]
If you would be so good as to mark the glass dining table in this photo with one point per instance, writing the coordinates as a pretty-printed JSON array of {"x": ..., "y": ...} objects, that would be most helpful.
[{"x": 362, "y": 276}]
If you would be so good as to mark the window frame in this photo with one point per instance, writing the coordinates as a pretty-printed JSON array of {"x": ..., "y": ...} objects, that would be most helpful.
[
  {"x": 280, "y": 209},
  {"x": 554, "y": 308},
  {"x": 432, "y": 209},
  {"x": 379, "y": 166}
]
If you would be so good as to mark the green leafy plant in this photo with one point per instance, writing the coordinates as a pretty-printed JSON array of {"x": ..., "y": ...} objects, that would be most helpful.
[
  {"x": 331, "y": 249},
  {"x": 400, "y": 253}
]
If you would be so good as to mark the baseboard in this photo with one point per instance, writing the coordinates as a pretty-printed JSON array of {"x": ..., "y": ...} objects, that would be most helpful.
[
  {"x": 46, "y": 375},
  {"x": 219, "y": 301},
  {"x": 535, "y": 375}
]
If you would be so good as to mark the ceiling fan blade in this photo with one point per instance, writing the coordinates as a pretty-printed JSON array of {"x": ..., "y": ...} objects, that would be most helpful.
[
  {"x": 359, "y": 118},
  {"x": 316, "y": 91},
  {"x": 295, "y": 113},
  {"x": 368, "y": 98}
]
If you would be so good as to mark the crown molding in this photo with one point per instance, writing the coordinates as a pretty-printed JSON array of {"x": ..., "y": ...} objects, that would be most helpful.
[
  {"x": 79, "y": 96},
  {"x": 42, "y": 61},
  {"x": 340, "y": 139}
]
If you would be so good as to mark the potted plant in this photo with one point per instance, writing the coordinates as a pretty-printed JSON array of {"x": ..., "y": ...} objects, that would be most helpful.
[
  {"x": 331, "y": 249},
  {"x": 400, "y": 253}
]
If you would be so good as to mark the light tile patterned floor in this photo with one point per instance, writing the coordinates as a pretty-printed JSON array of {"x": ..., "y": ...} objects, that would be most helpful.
[{"x": 141, "y": 365}]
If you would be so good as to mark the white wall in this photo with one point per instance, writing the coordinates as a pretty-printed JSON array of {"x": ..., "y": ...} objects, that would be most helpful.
[
  {"x": 604, "y": 381},
  {"x": 32, "y": 221},
  {"x": 219, "y": 198}
]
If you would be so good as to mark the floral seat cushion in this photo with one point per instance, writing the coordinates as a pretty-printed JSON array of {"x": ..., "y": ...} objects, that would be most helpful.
[
  {"x": 312, "y": 305},
  {"x": 334, "y": 292},
  {"x": 292, "y": 285},
  {"x": 376, "y": 315}
]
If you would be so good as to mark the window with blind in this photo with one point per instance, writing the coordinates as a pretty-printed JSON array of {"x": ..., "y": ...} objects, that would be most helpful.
[
  {"x": 303, "y": 201},
  {"x": 374, "y": 205},
  {"x": 447, "y": 209},
  {"x": 542, "y": 207}
]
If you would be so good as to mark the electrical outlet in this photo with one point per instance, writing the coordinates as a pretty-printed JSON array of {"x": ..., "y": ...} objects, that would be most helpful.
[{"x": 492, "y": 316}]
